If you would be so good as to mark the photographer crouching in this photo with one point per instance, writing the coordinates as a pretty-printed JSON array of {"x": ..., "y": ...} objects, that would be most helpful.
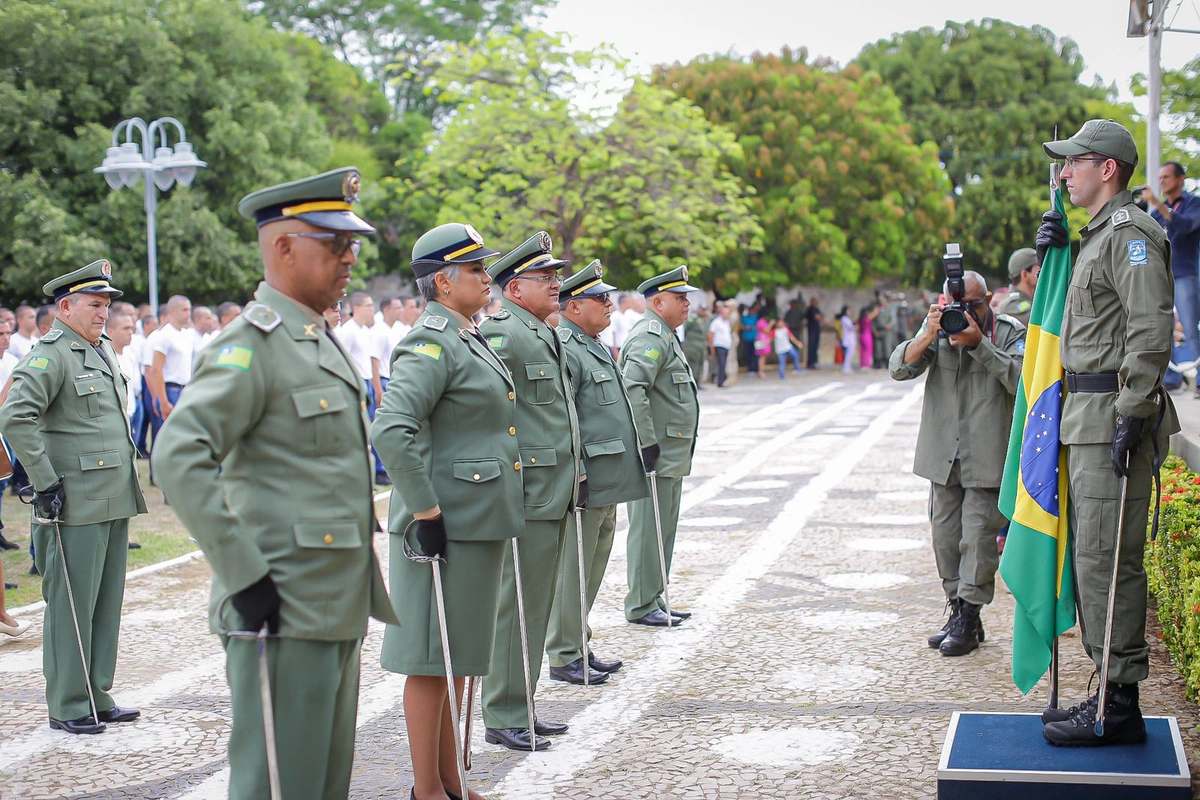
[{"x": 974, "y": 361}]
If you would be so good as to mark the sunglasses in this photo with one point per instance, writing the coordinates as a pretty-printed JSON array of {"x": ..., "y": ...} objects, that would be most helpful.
[{"x": 338, "y": 243}]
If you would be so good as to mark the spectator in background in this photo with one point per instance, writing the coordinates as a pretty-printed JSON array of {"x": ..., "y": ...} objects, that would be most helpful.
[
  {"x": 26, "y": 333},
  {"x": 405, "y": 309},
  {"x": 363, "y": 348},
  {"x": 866, "y": 336},
  {"x": 749, "y": 335},
  {"x": 813, "y": 319},
  {"x": 120, "y": 329},
  {"x": 9, "y": 318},
  {"x": 762, "y": 340},
  {"x": 333, "y": 318},
  {"x": 695, "y": 343},
  {"x": 148, "y": 323},
  {"x": 1179, "y": 213},
  {"x": 7, "y": 363},
  {"x": 794, "y": 318},
  {"x": 849, "y": 338},
  {"x": 171, "y": 353},
  {"x": 204, "y": 328},
  {"x": 720, "y": 342},
  {"x": 44, "y": 319},
  {"x": 786, "y": 345},
  {"x": 227, "y": 312}
]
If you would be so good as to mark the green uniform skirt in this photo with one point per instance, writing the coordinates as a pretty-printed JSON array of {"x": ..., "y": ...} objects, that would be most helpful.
[{"x": 471, "y": 584}]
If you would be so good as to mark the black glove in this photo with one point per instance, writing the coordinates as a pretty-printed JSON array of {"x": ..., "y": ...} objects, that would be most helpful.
[
  {"x": 431, "y": 535},
  {"x": 48, "y": 504},
  {"x": 650, "y": 457},
  {"x": 581, "y": 500},
  {"x": 1125, "y": 442},
  {"x": 1051, "y": 233},
  {"x": 258, "y": 603}
]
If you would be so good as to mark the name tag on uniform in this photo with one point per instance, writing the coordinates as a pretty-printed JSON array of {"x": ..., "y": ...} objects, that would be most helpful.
[{"x": 1137, "y": 253}]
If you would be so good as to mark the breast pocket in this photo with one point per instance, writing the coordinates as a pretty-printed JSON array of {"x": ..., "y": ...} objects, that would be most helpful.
[
  {"x": 1079, "y": 295},
  {"x": 682, "y": 381},
  {"x": 91, "y": 392},
  {"x": 541, "y": 381},
  {"x": 607, "y": 392},
  {"x": 325, "y": 425}
]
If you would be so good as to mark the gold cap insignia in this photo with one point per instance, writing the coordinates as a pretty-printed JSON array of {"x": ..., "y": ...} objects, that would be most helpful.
[
  {"x": 599, "y": 270},
  {"x": 350, "y": 186},
  {"x": 473, "y": 234},
  {"x": 684, "y": 271},
  {"x": 106, "y": 270},
  {"x": 545, "y": 241}
]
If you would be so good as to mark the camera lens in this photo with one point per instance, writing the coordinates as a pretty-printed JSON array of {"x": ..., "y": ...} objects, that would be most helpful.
[{"x": 953, "y": 320}]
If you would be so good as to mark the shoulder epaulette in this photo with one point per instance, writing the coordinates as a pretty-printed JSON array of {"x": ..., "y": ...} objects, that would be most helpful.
[
  {"x": 1121, "y": 217},
  {"x": 262, "y": 316},
  {"x": 655, "y": 327},
  {"x": 501, "y": 314},
  {"x": 436, "y": 323},
  {"x": 51, "y": 336},
  {"x": 1016, "y": 323},
  {"x": 564, "y": 335}
]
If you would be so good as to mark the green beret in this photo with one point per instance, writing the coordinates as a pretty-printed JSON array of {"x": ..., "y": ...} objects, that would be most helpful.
[
  {"x": 95, "y": 278},
  {"x": 452, "y": 243},
  {"x": 674, "y": 281},
  {"x": 533, "y": 253},
  {"x": 323, "y": 200}
]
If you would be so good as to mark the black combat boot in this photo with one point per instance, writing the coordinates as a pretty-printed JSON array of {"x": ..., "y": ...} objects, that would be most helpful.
[
  {"x": 963, "y": 635},
  {"x": 1123, "y": 723},
  {"x": 5, "y": 544},
  {"x": 1063, "y": 714},
  {"x": 936, "y": 639}
]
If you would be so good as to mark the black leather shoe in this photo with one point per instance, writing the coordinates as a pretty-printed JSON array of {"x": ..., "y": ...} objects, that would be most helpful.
[
  {"x": 573, "y": 673},
  {"x": 134, "y": 546},
  {"x": 118, "y": 714},
  {"x": 656, "y": 618},
  {"x": 603, "y": 666},
  {"x": 549, "y": 728},
  {"x": 514, "y": 739},
  {"x": 681, "y": 614},
  {"x": 8, "y": 585},
  {"x": 33, "y": 570},
  {"x": 84, "y": 724},
  {"x": 5, "y": 544}
]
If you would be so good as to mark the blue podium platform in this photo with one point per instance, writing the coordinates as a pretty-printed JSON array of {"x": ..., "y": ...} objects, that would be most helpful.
[{"x": 998, "y": 755}]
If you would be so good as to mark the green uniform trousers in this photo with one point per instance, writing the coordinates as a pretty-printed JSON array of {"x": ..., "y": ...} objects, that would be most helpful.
[
  {"x": 565, "y": 641},
  {"x": 965, "y": 521},
  {"x": 1095, "y": 500},
  {"x": 314, "y": 688},
  {"x": 645, "y": 578},
  {"x": 503, "y": 693},
  {"x": 96, "y": 556}
]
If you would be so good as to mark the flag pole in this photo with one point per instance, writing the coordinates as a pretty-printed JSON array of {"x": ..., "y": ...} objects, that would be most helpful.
[{"x": 1053, "y": 700}]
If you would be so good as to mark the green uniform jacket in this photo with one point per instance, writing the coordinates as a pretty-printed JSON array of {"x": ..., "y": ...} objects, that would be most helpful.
[
  {"x": 447, "y": 432},
  {"x": 65, "y": 416},
  {"x": 1119, "y": 319},
  {"x": 662, "y": 392},
  {"x": 695, "y": 339},
  {"x": 968, "y": 408},
  {"x": 276, "y": 404},
  {"x": 612, "y": 457},
  {"x": 547, "y": 430},
  {"x": 1017, "y": 306}
]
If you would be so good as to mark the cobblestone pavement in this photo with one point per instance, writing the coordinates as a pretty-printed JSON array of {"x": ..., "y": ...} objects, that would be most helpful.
[{"x": 804, "y": 554}]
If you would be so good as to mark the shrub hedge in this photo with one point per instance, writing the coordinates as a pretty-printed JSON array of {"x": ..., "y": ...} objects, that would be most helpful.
[{"x": 1173, "y": 569}]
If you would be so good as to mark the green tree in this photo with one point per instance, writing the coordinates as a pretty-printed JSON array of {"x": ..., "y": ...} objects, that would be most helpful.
[
  {"x": 843, "y": 193},
  {"x": 260, "y": 106},
  {"x": 1181, "y": 113},
  {"x": 643, "y": 187},
  {"x": 987, "y": 94}
]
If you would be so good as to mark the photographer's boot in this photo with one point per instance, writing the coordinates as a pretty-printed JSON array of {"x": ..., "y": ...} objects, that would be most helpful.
[
  {"x": 936, "y": 639},
  {"x": 1123, "y": 723},
  {"x": 963, "y": 636}
]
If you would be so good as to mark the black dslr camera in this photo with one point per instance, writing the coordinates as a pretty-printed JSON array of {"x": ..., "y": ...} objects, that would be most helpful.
[{"x": 954, "y": 313}]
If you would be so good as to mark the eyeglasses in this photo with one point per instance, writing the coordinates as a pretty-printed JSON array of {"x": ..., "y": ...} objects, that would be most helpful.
[
  {"x": 601, "y": 298},
  {"x": 547, "y": 279},
  {"x": 1071, "y": 161},
  {"x": 338, "y": 243}
]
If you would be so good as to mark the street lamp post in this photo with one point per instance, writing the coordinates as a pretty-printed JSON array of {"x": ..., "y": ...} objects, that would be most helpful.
[{"x": 125, "y": 164}]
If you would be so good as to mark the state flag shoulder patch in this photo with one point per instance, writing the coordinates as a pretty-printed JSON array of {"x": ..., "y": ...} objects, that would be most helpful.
[
  {"x": 236, "y": 356},
  {"x": 429, "y": 350}
]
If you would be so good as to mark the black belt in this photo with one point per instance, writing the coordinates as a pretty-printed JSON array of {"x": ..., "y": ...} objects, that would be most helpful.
[{"x": 1096, "y": 382}]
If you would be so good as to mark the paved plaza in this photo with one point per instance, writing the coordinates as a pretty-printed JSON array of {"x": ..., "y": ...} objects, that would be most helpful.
[{"x": 804, "y": 554}]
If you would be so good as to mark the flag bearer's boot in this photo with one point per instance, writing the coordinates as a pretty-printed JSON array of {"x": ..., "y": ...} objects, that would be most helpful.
[
  {"x": 1063, "y": 714},
  {"x": 936, "y": 639},
  {"x": 964, "y": 633},
  {"x": 1123, "y": 723}
]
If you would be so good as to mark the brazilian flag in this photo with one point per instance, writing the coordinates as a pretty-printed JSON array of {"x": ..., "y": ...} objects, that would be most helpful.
[{"x": 1037, "y": 554}]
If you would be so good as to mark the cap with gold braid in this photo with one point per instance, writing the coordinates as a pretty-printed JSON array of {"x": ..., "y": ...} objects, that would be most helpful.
[
  {"x": 95, "y": 278},
  {"x": 674, "y": 281},
  {"x": 533, "y": 253},
  {"x": 323, "y": 200},
  {"x": 452, "y": 243},
  {"x": 588, "y": 282}
]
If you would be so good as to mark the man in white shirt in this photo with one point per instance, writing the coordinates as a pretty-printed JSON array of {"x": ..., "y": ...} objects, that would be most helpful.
[
  {"x": 227, "y": 312},
  {"x": 171, "y": 350},
  {"x": 362, "y": 345},
  {"x": 720, "y": 341},
  {"x": 26, "y": 333},
  {"x": 204, "y": 328}
]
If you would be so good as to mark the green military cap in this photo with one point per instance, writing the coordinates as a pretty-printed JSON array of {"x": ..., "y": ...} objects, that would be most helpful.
[
  {"x": 588, "y": 282},
  {"x": 1102, "y": 136},
  {"x": 1020, "y": 260},
  {"x": 95, "y": 278},
  {"x": 674, "y": 281},
  {"x": 452, "y": 243},
  {"x": 533, "y": 253},
  {"x": 323, "y": 200}
]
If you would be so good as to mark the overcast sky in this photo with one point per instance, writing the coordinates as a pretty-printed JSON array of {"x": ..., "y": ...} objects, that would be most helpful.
[{"x": 662, "y": 31}]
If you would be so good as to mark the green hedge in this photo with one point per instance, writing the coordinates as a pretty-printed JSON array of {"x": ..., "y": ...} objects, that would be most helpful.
[{"x": 1173, "y": 569}]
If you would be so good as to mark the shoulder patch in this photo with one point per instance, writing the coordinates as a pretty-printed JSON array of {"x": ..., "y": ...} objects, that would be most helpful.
[
  {"x": 1136, "y": 249},
  {"x": 38, "y": 362},
  {"x": 501, "y": 314},
  {"x": 496, "y": 342},
  {"x": 51, "y": 336},
  {"x": 235, "y": 356},
  {"x": 655, "y": 327},
  {"x": 1024, "y": 306},
  {"x": 436, "y": 323},
  {"x": 429, "y": 350},
  {"x": 652, "y": 352},
  {"x": 1020, "y": 346},
  {"x": 262, "y": 316},
  {"x": 564, "y": 335},
  {"x": 1121, "y": 217}
]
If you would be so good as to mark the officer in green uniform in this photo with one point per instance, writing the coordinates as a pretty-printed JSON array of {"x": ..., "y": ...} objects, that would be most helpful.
[
  {"x": 611, "y": 459},
  {"x": 446, "y": 431},
  {"x": 65, "y": 420},
  {"x": 695, "y": 343},
  {"x": 1022, "y": 275},
  {"x": 266, "y": 462},
  {"x": 1116, "y": 418},
  {"x": 961, "y": 446},
  {"x": 548, "y": 435},
  {"x": 662, "y": 392}
]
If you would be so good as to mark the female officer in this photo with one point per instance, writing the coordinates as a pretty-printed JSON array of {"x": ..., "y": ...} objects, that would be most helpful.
[{"x": 445, "y": 431}]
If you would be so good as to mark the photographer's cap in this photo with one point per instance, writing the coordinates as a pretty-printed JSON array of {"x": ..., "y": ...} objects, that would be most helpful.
[
  {"x": 1101, "y": 136},
  {"x": 1020, "y": 260}
]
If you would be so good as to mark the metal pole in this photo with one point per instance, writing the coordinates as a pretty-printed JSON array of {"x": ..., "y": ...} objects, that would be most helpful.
[
  {"x": 1153, "y": 134},
  {"x": 152, "y": 238},
  {"x": 467, "y": 725},
  {"x": 1053, "y": 674},
  {"x": 583, "y": 609},
  {"x": 1112, "y": 605},
  {"x": 516, "y": 551},
  {"x": 268, "y": 714},
  {"x": 662, "y": 558}
]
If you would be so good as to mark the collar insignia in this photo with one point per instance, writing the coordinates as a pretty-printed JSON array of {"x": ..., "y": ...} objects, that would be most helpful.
[{"x": 310, "y": 329}]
